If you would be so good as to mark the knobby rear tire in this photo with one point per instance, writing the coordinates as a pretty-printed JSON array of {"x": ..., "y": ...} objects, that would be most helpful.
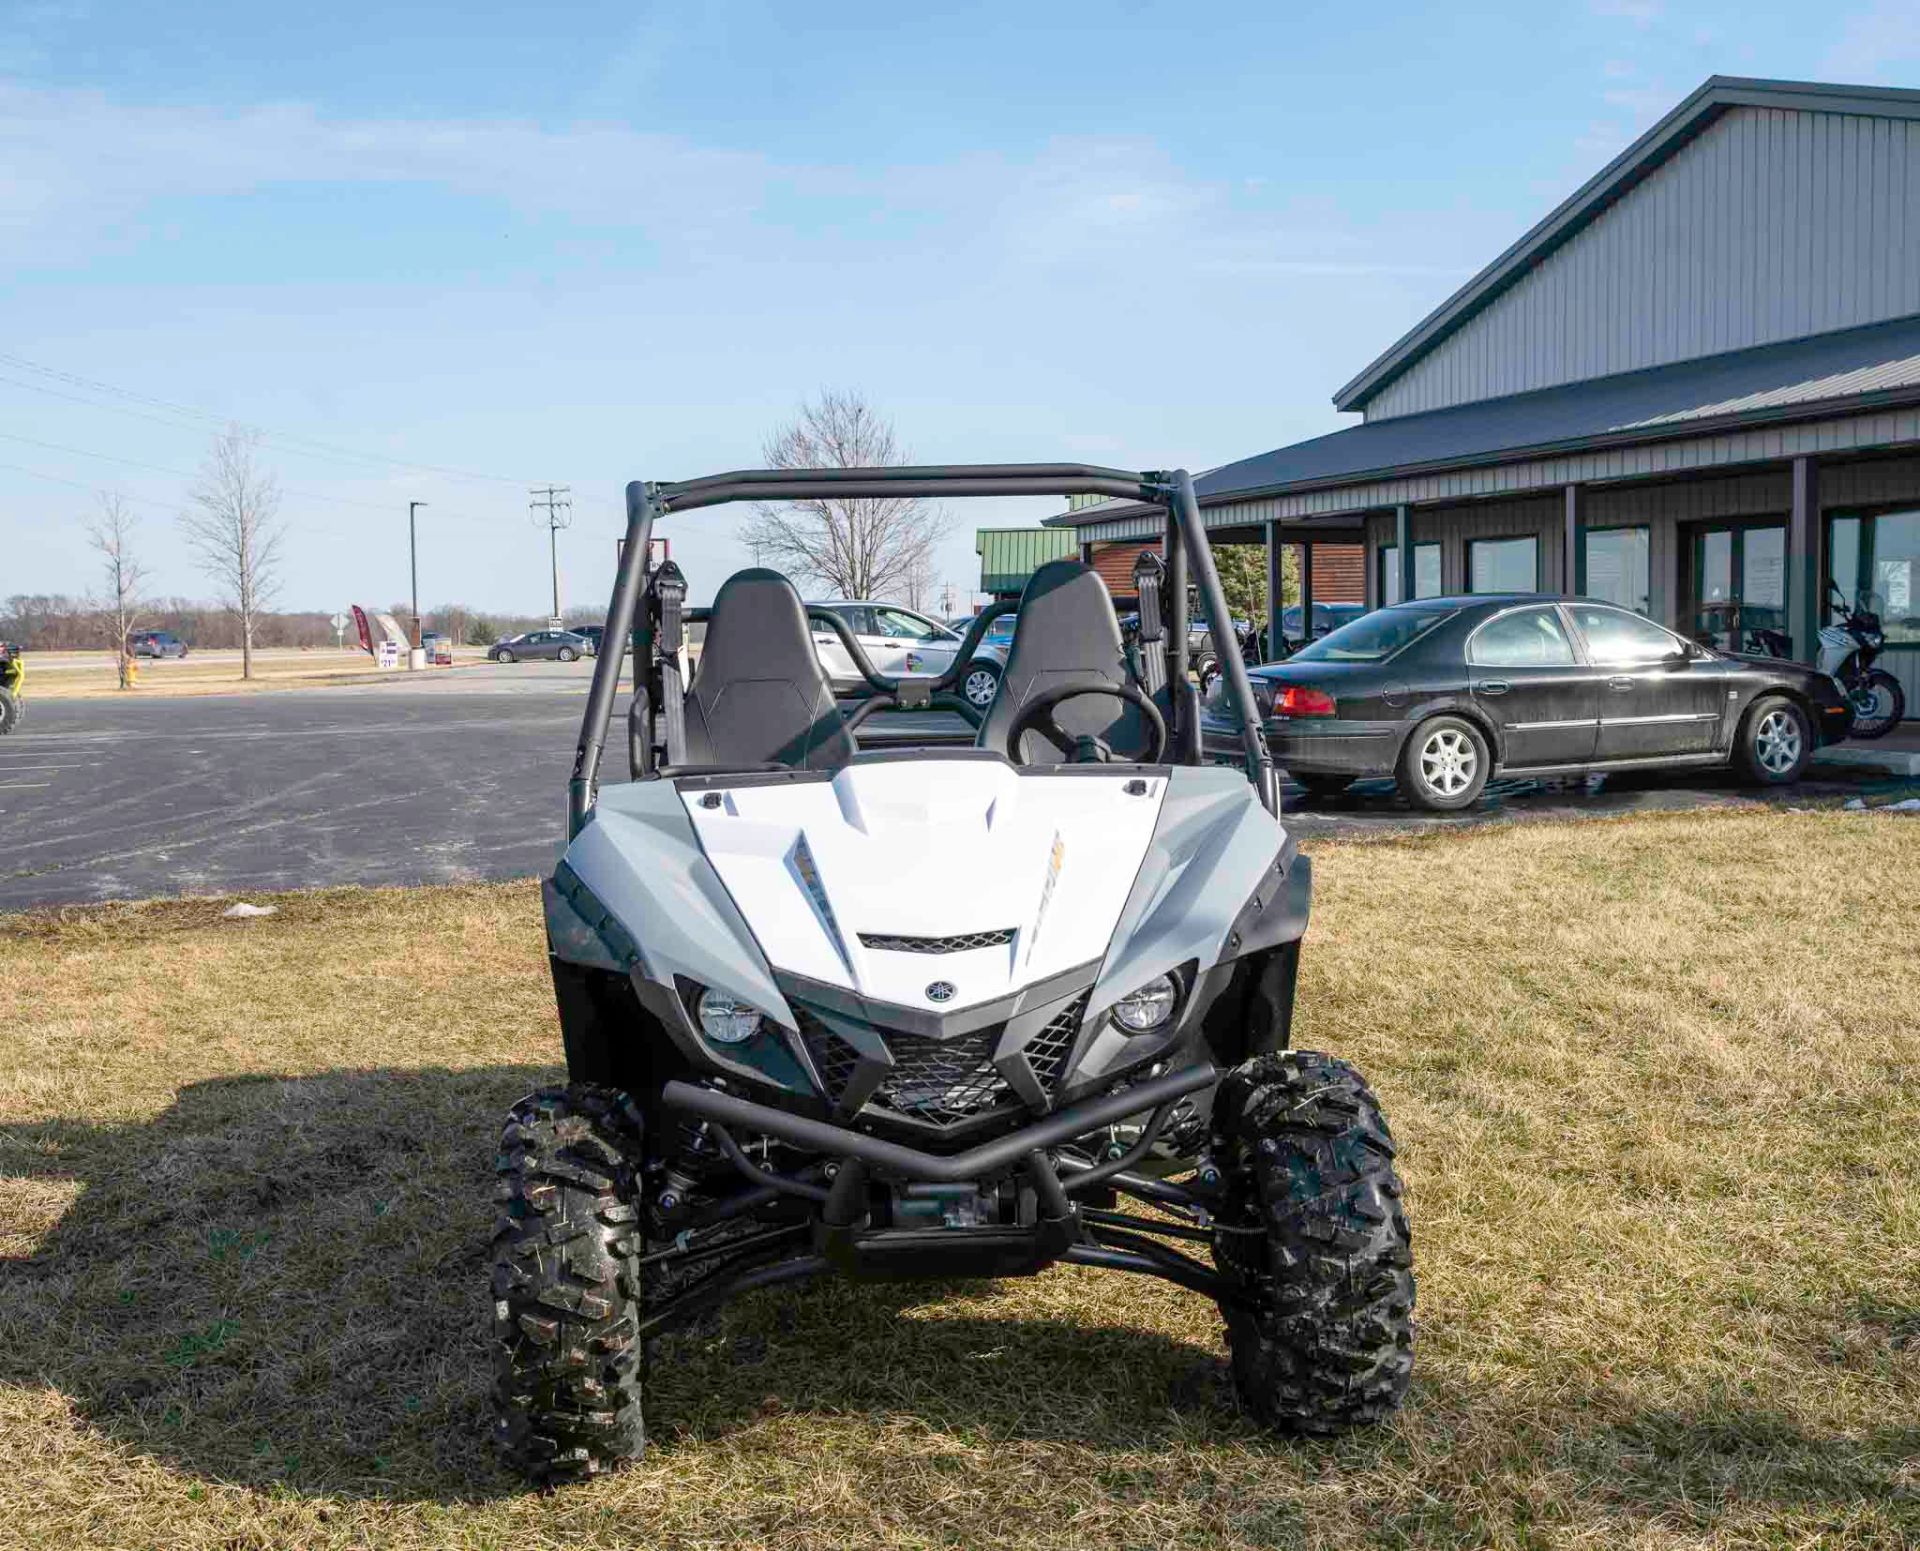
[
  {"x": 566, "y": 1286},
  {"x": 1329, "y": 1343}
]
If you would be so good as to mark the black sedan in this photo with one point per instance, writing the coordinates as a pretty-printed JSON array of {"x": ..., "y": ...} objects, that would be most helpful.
[{"x": 1442, "y": 693}]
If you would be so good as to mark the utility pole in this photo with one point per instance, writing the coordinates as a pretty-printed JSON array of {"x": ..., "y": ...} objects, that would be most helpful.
[
  {"x": 413, "y": 566},
  {"x": 556, "y": 501}
]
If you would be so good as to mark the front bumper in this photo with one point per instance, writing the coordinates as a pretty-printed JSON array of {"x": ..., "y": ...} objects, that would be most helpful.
[{"x": 976, "y": 1163}]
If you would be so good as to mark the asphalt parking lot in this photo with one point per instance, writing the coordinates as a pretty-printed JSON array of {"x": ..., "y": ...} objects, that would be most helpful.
[{"x": 456, "y": 777}]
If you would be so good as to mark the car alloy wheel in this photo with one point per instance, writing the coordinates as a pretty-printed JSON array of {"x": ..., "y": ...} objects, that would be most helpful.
[
  {"x": 1776, "y": 741},
  {"x": 504, "y": 657},
  {"x": 980, "y": 687},
  {"x": 567, "y": 654},
  {"x": 1448, "y": 761}
]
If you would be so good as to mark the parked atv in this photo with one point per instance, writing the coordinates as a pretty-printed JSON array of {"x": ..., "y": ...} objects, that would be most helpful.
[
  {"x": 794, "y": 1049},
  {"x": 13, "y": 673}
]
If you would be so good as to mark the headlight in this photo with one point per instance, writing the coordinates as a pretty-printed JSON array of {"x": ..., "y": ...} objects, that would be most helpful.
[
  {"x": 726, "y": 1019},
  {"x": 1148, "y": 1007}
]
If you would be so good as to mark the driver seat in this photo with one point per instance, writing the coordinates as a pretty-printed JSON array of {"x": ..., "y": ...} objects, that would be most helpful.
[
  {"x": 1066, "y": 629},
  {"x": 760, "y": 696}
]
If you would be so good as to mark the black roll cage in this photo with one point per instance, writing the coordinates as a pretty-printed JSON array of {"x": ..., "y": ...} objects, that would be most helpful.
[{"x": 1184, "y": 547}]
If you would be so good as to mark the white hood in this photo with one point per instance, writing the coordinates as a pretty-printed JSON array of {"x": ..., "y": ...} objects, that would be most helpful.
[{"x": 930, "y": 849}]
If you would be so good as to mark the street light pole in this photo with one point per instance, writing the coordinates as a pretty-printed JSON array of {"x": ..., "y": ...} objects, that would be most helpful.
[{"x": 413, "y": 566}]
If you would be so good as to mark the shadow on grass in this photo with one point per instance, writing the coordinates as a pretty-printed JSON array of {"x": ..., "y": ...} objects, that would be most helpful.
[
  {"x": 281, "y": 1283},
  {"x": 284, "y": 1281}
]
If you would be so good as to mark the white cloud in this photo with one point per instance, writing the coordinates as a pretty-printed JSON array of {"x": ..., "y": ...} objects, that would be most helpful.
[
  {"x": 1877, "y": 46},
  {"x": 80, "y": 165},
  {"x": 1643, "y": 103},
  {"x": 85, "y": 171},
  {"x": 1641, "y": 13}
]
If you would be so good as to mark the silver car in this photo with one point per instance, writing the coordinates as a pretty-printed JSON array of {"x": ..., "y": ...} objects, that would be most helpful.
[
  {"x": 904, "y": 644},
  {"x": 551, "y": 645}
]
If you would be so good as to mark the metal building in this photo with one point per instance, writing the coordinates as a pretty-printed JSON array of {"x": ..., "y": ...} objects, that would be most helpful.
[
  {"x": 1693, "y": 388},
  {"x": 1008, "y": 556}
]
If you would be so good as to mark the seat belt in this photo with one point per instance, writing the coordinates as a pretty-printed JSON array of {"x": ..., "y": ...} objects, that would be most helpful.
[
  {"x": 1149, "y": 665},
  {"x": 666, "y": 598}
]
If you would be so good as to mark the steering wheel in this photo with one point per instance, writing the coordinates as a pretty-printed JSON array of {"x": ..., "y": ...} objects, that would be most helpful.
[{"x": 1037, "y": 716}]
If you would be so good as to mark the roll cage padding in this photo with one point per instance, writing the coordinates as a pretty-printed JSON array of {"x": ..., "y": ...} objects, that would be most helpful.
[
  {"x": 1066, "y": 630},
  {"x": 760, "y": 695}
]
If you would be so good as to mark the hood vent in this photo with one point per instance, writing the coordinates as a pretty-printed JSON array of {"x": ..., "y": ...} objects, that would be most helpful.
[{"x": 964, "y": 943}]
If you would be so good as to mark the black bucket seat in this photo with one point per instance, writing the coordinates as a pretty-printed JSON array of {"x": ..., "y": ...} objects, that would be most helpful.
[
  {"x": 1066, "y": 629},
  {"x": 759, "y": 695}
]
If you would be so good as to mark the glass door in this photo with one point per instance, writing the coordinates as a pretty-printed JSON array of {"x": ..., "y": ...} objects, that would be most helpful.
[{"x": 1739, "y": 588}]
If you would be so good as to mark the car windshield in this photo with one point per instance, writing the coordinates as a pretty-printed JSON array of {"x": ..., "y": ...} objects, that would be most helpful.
[{"x": 1374, "y": 637}]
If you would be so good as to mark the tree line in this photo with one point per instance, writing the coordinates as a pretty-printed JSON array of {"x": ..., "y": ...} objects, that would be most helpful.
[{"x": 60, "y": 622}]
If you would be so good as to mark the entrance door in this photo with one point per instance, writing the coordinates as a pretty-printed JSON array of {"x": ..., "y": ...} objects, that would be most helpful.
[{"x": 1739, "y": 587}]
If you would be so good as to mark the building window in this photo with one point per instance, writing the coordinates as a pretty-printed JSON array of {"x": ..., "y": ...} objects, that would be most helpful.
[
  {"x": 1503, "y": 565},
  {"x": 1617, "y": 569},
  {"x": 1875, "y": 562},
  {"x": 1426, "y": 572}
]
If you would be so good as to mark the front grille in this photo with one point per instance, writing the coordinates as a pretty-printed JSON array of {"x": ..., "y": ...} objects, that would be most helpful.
[
  {"x": 942, "y": 1081},
  {"x": 961, "y": 944}
]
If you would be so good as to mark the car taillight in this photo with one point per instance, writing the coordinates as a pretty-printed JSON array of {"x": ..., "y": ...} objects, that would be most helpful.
[{"x": 1296, "y": 700}]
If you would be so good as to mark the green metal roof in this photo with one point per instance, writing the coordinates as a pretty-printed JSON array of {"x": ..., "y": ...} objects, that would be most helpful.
[{"x": 1008, "y": 556}]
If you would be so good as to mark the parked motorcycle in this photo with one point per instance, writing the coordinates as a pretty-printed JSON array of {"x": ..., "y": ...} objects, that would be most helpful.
[{"x": 1847, "y": 652}]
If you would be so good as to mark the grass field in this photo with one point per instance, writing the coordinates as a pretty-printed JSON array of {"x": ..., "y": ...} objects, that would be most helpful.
[{"x": 1656, "y": 1083}]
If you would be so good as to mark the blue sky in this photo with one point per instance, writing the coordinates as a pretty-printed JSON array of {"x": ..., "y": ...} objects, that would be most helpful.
[{"x": 578, "y": 244}]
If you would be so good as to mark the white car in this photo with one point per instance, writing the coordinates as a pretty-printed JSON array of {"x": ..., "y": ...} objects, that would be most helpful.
[{"x": 903, "y": 644}]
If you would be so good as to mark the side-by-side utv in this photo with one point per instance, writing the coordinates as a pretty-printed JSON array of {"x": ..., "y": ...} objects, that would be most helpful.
[{"x": 932, "y": 1011}]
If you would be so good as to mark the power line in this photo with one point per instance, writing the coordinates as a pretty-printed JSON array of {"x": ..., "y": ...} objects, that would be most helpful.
[
  {"x": 555, "y": 500},
  {"x": 212, "y": 417},
  {"x": 161, "y": 468}
]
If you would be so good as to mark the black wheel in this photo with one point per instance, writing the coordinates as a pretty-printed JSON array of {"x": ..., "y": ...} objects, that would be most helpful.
[
  {"x": 1444, "y": 764},
  {"x": 566, "y": 1285},
  {"x": 981, "y": 684},
  {"x": 1320, "y": 787},
  {"x": 568, "y": 654},
  {"x": 1775, "y": 744},
  {"x": 1879, "y": 704},
  {"x": 1314, "y": 1232},
  {"x": 9, "y": 711}
]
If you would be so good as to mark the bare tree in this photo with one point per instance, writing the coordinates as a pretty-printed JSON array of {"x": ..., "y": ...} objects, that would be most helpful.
[
  {"x": 235, "y": 531},
  {"x": 869, "y": 548},
  {"x": 112, "y": 534}
]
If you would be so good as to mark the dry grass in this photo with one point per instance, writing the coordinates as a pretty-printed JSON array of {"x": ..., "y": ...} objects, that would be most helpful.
[
  {"x": 90, "y": 675},
  {"x": 1655, "y": 1082}
]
